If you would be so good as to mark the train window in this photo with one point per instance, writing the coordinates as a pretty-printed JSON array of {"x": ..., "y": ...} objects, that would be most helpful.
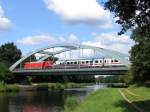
[
  {"x": 71, "y": 62},
  {"x": 68, "y": 63},
  {"x": 82, "y": 62},
  {"x": 112, "y": 60},
  {"x": 75, "y": 62},
  {"x": 105, "y": 61},
  {"x": 96, "y": 61},
  {"x": 87, "y": 62},
  {"x": 116, "y": 60},
  {"x": 100, "y": 61},
  {"x": 91, "y": 62}
]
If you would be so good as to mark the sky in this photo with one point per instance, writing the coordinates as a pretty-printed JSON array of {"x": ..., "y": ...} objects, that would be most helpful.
[{"x": 33, "y": 24}]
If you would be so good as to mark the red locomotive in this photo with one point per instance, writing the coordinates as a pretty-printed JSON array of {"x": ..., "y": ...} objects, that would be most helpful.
[{"x": 38, "y": 65}]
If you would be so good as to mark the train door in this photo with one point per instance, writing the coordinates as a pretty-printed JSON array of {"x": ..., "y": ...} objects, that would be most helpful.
[{"x": 107, "y": 62}]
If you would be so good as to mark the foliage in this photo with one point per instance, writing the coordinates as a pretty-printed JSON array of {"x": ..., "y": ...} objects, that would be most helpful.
[
  {"x": 111, "y": 79},
  {"x": 5, "y": 74},
  {"x": 128, "y": 78},
  {"x": 9, "y": 53},
  {"x": 131, "y": 13},
  {"x": 8, "y": 88},
  {"x": 64, "y": 85},
  {"x": 70, "y": 104},
  {"x": 29, "y": 79},
  {"x": 140, "y": 56},
  {"x": 12, "y": 88}
]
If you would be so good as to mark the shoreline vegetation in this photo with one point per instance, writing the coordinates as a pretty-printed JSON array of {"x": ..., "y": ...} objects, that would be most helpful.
[
  {"x": 39, "y": 86},
  {"x": 8, "y": 87},
  {"x": 131, "y": 99}
]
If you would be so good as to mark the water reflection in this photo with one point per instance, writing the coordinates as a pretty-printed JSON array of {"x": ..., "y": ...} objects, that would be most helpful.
[{"x": 42, "y": 101}]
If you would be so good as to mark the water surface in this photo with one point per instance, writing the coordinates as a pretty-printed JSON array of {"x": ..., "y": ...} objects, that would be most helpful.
[{"x": 41, "y": 101}]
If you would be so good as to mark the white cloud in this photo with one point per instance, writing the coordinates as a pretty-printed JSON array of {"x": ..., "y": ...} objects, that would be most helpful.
[
  {"x": 47, "y": 39},
  {"x": 73, "y": 38},
  {"x": 35, "y": 40},
  {"x": 105, "y": 40},
  {"x": 112, "y": 41},
  {"x": 5, "y": 23},
  {"x": 81, "y": 11}
]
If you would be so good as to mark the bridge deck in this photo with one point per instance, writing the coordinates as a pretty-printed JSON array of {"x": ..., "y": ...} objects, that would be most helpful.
[{"x": 76, "y": 71}]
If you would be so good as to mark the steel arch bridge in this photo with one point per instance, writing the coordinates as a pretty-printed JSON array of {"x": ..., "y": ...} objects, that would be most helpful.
[{"x": 52, "y": 51}]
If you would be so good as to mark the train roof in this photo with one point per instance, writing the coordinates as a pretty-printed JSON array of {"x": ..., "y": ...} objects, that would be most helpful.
[{"x": 84, "y": 59}]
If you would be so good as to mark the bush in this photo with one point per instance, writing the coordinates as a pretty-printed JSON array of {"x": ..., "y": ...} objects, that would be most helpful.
[
  {"x": 70, "y": 104},
  {"x": 2, "y": 86},
  {"x": 8, "y": 88},
  {"x": 5, "y": 75},
  {"x": 128, "y": 78},
  {"x": 52, "y": 86},
  {"x": 12, "y": 88}
]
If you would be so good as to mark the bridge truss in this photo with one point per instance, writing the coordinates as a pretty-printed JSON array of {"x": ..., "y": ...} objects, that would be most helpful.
[{"x": 66, "y": 52}]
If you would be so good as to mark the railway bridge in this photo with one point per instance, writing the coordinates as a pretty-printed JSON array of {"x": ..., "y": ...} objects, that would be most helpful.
[{"x": 73, "y": 60}]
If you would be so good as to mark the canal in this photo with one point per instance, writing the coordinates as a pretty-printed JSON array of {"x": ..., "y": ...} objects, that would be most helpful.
[{"x": 42, "y": 101}]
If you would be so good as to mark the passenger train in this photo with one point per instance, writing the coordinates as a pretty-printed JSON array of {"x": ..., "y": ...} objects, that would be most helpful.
[{"x": 82, "y": 63}]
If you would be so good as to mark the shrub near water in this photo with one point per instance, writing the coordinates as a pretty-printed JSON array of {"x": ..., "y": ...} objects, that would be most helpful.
[
  {"x": 12, "y": 88},
  {"x": 2, "y": 86},
  {"x": 70, "y": 104},
  {"x": 8, "y": 88},
  {"x": 52, "y": 86}
]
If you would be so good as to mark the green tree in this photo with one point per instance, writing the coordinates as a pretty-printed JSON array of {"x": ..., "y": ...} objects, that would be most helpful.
[
  {"x": 128, "y": 78},
  {"x": 131, "y": 13},
  {"x": 140, "y": 56},
  {"x": 5, "y": 75},
  {"x": 9, "y": 53},
  {"x": 135, "y": 14}
]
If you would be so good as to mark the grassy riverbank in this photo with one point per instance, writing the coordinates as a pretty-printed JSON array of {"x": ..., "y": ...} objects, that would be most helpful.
[{"x": 111, "y": 100}]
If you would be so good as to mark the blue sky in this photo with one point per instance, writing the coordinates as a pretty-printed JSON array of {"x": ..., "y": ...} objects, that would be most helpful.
[{"x": 32, "y": 24}]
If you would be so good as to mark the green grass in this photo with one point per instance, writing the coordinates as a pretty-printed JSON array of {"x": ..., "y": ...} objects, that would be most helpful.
[{"x": 106, "y": 100}]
